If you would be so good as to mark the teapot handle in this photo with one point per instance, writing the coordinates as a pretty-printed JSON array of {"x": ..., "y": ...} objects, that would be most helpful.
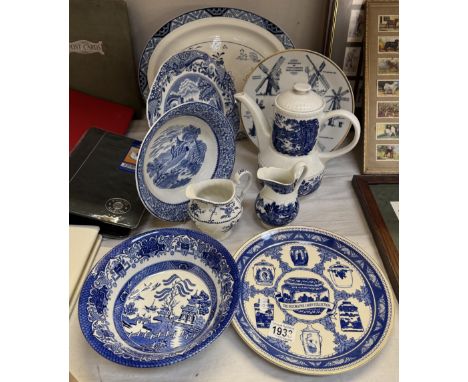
[
  {"x": 241, "y": 189},
  {"x": 325, "y": 156}
]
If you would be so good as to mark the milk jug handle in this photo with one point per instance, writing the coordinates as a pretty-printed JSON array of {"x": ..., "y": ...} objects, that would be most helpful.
[
  {"x": 302, "y": 167},
  {"x": 242, "y": 186},
  {"x": 325, "y": 156}
]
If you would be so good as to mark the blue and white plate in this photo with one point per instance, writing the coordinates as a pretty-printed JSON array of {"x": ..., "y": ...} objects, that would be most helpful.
[
  {"x": 159, "y": 298},
  {"x": 190, "y": 143},
  {"x": 192, "y": 76},
  {"x": 311, "y": 301},
  {"x": 238, "y": 47}
]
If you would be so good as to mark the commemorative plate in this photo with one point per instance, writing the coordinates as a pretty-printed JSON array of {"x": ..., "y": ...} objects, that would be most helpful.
[
  {"x": 158, "y": 298},
  {"x": 281, "y": 71},
  {"x": 189, "y": 143},
  {"x": 224, "y": 42},
  {"x": 192, "y": 76},
  {"x": 311, "y": 301}
]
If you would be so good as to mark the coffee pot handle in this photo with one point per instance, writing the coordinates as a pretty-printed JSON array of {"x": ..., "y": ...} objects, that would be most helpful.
[
  {"x": 242, "y": 186},
  {"x": 325, "y": 156}
]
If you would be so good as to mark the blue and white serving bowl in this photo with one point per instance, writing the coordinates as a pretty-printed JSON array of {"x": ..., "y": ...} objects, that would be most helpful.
[{"x": 159, "y": 298}]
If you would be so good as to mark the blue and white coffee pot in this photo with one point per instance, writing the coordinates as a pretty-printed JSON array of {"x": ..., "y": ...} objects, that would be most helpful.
[{"x": 299, "y": 116}]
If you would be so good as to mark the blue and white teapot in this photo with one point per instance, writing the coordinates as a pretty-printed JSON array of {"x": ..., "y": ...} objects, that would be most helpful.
[{"x": 299, "y": 116}]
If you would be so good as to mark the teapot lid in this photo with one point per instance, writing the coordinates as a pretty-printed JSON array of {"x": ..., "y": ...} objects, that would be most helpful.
[{"x": 300, "y": 99}]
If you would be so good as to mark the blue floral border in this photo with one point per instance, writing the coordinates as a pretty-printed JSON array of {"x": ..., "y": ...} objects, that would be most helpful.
[
  {"x": 224, "y": 134},
  {"x": 199, "y": 14},
  {"x": 141, "y": 248},
  {"x": 382, "y": 303}
]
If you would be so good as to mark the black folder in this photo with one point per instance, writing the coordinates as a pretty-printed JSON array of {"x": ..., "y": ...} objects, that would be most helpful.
[{"x": 102, "y": 186}]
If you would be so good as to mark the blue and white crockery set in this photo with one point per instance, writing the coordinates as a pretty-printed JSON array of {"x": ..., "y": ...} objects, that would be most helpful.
[{"x": 306, "y": 297}]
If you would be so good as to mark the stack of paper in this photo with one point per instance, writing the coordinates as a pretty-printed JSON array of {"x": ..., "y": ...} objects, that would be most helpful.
[{"x": 84, "y": 245}]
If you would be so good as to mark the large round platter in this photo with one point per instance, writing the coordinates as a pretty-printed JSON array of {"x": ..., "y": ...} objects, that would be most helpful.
[
  {"x": 192, "y": 76},
  {"x": 281, "y": 71},
  {"x": 311, "y": 301},
  {"x": 191, "y": 142},
  {"x": 158, "y": 298},
  {"x": 145, "y": 79}
]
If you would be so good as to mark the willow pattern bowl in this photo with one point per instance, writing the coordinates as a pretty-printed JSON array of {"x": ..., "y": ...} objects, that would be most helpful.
[{"x": 159, "y": 298}]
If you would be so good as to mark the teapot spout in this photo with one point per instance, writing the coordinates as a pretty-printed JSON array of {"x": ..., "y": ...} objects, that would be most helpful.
[{"x": 261, "y": 124}]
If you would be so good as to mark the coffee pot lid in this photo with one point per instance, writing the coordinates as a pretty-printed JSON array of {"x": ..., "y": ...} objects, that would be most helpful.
[{"x": 300, "y": 99}]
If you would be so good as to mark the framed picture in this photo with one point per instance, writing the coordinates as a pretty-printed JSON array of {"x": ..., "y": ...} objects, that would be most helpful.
[
  {"x": 344, "y": 42},
  {"x": 382, "y": 88},
  {"x": 379, "y": 198}
]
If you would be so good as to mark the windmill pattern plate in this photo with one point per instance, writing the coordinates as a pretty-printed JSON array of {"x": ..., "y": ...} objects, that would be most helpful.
[
  {"x": 311, "y": 301},
  {"x": 200, "y": 14},
  {"x": 192, "y": 76},
  {"x": 281, "y": 71},
  {"x": 190, "y": 143},
  {"x": 159, "y": 298}
]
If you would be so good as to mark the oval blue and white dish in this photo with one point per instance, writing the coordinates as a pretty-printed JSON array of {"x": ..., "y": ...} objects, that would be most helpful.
[
  {"x": 201, "y": 14},
  {"x": 311, "y": 302},
  {"x": 190, "y": 143},
  {"x": 192, "y": 76},
  {"x": 159, "y": 298}
]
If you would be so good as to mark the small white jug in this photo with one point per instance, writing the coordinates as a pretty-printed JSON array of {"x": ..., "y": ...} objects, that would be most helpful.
[
  {"x": 277, "y": 203},
  {"x": 216, "y": 204}
]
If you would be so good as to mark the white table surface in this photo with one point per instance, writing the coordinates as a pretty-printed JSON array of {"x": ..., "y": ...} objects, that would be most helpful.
[{"x": 334, "y": 207}]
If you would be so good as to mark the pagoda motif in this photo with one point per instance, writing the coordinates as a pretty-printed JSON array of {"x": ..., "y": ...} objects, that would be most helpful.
[{"x": 197, "y": 306}]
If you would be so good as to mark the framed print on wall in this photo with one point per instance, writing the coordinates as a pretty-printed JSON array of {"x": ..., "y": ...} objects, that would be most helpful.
[
  {"x": 344, "y": 42},
  {"x": 382, "y": 88},
  {"x": 379, "y": 199}
]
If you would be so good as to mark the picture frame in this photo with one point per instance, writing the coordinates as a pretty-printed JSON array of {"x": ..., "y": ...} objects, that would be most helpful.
[
  {"x": 381, "y": 128},
  {"x": 344, "y": 43},
  {"x": 378, "y": 196}
]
